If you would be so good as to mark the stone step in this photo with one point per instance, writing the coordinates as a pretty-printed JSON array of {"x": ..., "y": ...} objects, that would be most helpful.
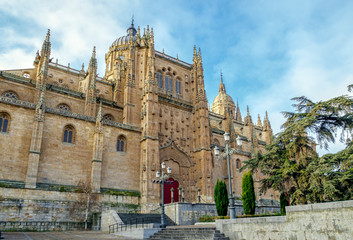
[
  {"x": 191, "y": 233},
  {"x": 131, "y": 218}
]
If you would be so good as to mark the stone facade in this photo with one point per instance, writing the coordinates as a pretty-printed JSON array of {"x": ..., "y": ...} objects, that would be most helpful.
[
  {"x": 66, "y": 126},
  {"x": 189, "y": 213},
  {"x": 313, "y": 221}
]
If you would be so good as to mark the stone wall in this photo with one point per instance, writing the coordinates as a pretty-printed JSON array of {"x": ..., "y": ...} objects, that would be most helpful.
[
  {"x": 34, "y": 205},
  {"x": 189, "y": 213},
  {"x": 313, "y": 221}
]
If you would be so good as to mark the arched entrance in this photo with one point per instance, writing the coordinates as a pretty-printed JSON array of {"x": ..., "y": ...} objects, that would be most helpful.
[{"x": 168, "y": 191}]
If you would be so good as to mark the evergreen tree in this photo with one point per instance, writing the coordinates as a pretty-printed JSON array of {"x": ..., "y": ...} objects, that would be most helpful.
[
  {"x": 248, "y": 193},
  {"x": 291, "y": 162},
  {"x": 221, "y": 198},
  {"x": 283, "y": 202}
]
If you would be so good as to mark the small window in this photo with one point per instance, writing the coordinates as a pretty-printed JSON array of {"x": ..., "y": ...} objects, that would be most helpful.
[
  {"x": 238, "y": 163},
  {"x": 64, "y": 107},
  {"x": 10, "y": 94},
  {"x": 4, "y": 122},
  {"x": 69, "y": 134},
  {"x": 108, "y": 117},
  {"x": 26, "y": 75},
  {"x": 60, "y": 81},
  {"x": 121, "y": 144}
]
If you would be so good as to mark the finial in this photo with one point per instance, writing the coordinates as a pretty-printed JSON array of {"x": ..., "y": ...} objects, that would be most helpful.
[
  {"x": 177, "y": 57},
  {"x": 195, "y": 53},
  {"x": 48, "y": 36},
  {"x": 163, "y": 51},
  {"x": 247, "y": 109},
  {"x": 200, "y": 59},
  {"x": 83, "y": 67},
  {"x": 132, "y": 20},
  {"x": 266, "y": 116},
  {"x": 221, "y": 76},
  {"x": 94, "y": 52}
]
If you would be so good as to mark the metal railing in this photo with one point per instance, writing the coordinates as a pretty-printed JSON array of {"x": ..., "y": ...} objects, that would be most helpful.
[{"x": 132, "y": 224}]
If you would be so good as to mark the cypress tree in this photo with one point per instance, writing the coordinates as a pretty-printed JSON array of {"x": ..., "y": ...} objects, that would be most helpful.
[
  {"x": 283, "y": 203},
  {"x": 221, "y": 198},
  {"x": 248, "y": 193}
]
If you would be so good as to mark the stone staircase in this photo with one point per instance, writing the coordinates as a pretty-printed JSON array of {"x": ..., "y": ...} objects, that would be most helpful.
[
  {"x": 194, "y": 233},
  {"x": 132, "y": 218}
]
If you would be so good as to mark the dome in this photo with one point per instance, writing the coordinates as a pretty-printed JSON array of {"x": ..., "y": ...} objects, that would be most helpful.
[
  {"x": 223, "y": 101},
  {"x": 126, "y": 39},
  {"x": 223, "y": 97}
]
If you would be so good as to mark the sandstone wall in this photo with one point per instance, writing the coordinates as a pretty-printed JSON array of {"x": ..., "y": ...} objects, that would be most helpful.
[
  {"x": 189, "y": 213},
  {"x": 313, "y": 221},
  {"x": 28, "y": 205}
]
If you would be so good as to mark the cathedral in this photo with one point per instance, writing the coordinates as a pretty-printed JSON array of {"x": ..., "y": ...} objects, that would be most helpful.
[{"x": 60, "y": 126}]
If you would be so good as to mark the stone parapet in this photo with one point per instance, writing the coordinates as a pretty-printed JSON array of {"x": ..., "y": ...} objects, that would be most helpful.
[{"x": 323, "y": 221}]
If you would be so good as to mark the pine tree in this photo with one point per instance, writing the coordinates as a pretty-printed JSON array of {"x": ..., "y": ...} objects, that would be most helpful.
[
  {"x": 248, "y": 193},
  {"x": 221, "y": 198}
]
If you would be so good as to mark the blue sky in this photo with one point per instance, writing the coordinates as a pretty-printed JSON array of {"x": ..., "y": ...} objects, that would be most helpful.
[{"x": 268, "y": 51}]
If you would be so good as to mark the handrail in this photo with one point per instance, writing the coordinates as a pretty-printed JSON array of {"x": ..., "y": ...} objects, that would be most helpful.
[{"x": 130, "y": 224}]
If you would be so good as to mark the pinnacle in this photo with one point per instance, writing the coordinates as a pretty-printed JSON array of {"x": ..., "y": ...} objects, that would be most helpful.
[
  {"x": 94, "y": 52},
  {"x": 48, "y": 36},
  {"x": 200, "y": 58}
]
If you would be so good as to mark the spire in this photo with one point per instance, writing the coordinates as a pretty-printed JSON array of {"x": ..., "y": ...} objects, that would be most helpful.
[
  {"x": 222, "y": 88},
  {"x": 200, "y": 58},
  {"x": 195, "y": 55},
  {"x": 267, "y": 124},
  {"x": 43, "y": 62},
  {"x": 247, "y": 119},
  {"x": 259, "y": 124},
  {"x": 238, "y": 114},
  {"x": 46, "y": 47}
]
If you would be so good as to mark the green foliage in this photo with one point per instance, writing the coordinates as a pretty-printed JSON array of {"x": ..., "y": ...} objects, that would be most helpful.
[
  {"x": 221, "y": 198},
  {"x": 207, "y": 218},
  {"x": 248, "y": 193},
  {"x": 122, "y": 193},
  {"x": 291, "y": 163},
  {"x": 283, "y": 201}
]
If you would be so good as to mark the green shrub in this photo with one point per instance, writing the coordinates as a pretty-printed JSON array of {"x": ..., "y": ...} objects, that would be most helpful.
[
  {"x": 207, "y": 218},
  {"x": 221, "y": 198},
  {"x": 248, "y": 193},
  {"x": 283, "y": 199}
]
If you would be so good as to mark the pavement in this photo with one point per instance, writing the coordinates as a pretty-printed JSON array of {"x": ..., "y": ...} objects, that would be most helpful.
[{"x": 67, "y": 235}]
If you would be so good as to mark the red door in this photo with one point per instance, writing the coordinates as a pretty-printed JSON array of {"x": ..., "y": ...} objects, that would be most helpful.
[{"x": 168, "y": 191}]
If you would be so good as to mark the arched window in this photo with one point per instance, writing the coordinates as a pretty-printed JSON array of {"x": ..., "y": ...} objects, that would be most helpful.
[
  {"x": 69, "y": 134},
  {"x": 4, "y": 122},
  {"x": 159, "y": 79},
  {"x": 108, "y": 117},
  {"x": 121, "y": 144},
  {"x": 64, "y": 107},
  {"x": 10, "y": 94},
  {"x": 178, "y": 86},
  {"x": 216, "y": 142},
  {"x": 238, "y": 163},
  {"x": 169, "y": 83}
]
